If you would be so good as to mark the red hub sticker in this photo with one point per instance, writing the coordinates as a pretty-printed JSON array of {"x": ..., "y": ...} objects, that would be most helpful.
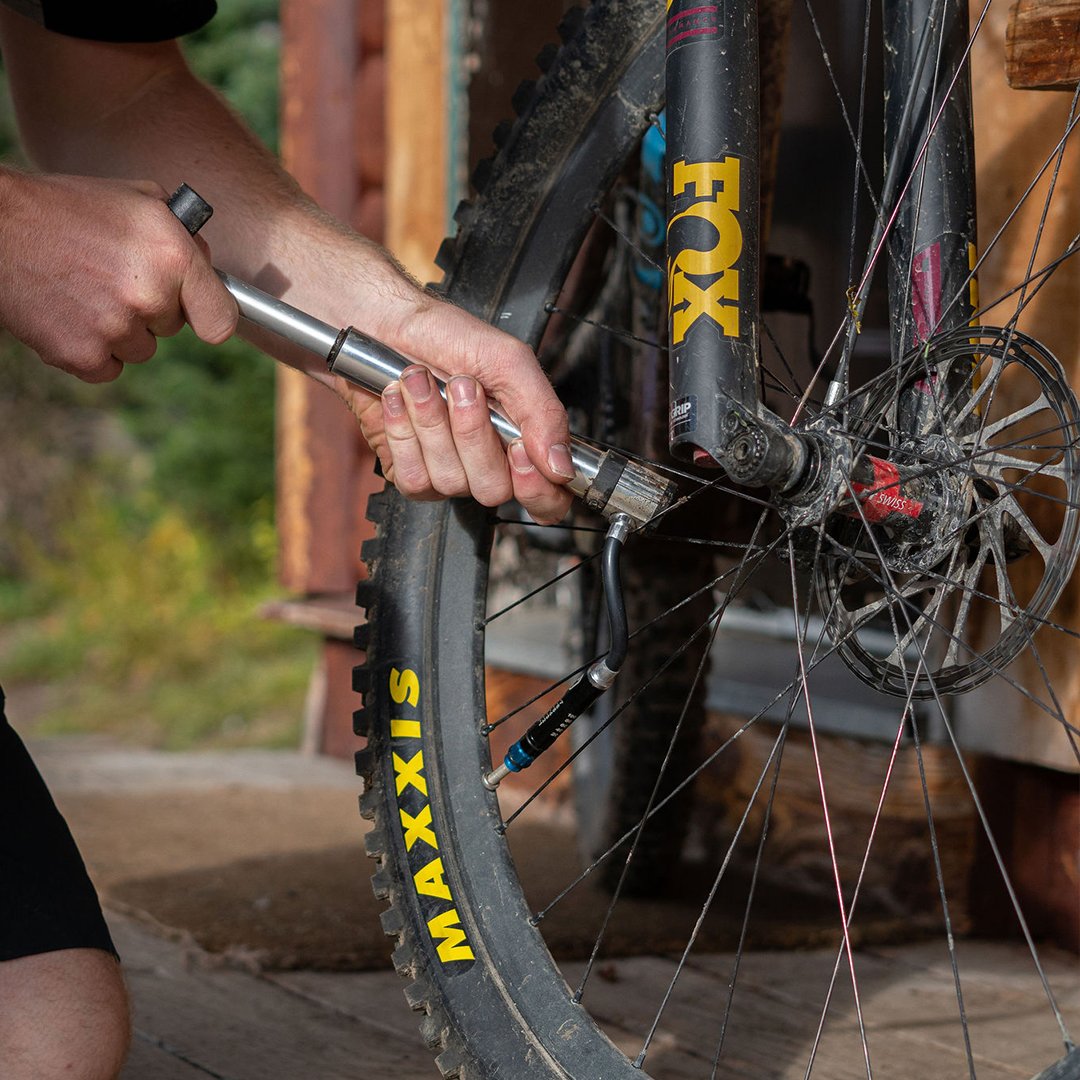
[{"x": 882, "y": 497}]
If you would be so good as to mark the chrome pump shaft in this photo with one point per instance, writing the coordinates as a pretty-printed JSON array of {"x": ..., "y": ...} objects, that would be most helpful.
[{"x": 607, "y": 481}]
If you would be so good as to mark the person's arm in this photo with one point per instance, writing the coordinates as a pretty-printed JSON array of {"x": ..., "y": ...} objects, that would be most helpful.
[{"x": 136, "y": 112}]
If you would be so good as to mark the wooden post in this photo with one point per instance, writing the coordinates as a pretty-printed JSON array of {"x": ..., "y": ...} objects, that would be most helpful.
[
  {"x": 1014, "y": 132},
  {"x": 317, "y": 443},
  {"x": 1042, "y": 46},
  {"x": 332, "y": 135},
  {"x": 418, "y": 100},
  {"x": 1029, "y": 786}
]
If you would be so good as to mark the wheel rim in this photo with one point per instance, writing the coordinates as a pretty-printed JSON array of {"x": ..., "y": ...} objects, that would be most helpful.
[{"x": 456, "y": 697}]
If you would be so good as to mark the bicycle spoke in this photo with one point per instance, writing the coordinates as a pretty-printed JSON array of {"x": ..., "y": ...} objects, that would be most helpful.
[
  {"x": 828, "y": 825},
  {"x": 751, "y": 892},
  {"x": 913, "y": 399},
  {"x": 705, "y": 907}
]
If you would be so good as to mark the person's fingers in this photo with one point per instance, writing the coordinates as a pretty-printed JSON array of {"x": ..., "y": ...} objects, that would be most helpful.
[
  {"x": 404, "y": 464},
  {"x": 517, "y": 382},
  {"x": 478, "y": 444},
  {"x": 167, "y": 323},
  {"x": 206, "y": 303},
  {"x": 136, "y": 348},
  {"x": 431, "y": 426},
  {"x": 546, "y": 503},
  {"x": 510, "y": 374}
]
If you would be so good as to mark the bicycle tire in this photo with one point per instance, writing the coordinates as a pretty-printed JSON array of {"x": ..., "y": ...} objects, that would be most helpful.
[
  {"x": 429, "y": 567},
  {"x": 611, "y": 46}
]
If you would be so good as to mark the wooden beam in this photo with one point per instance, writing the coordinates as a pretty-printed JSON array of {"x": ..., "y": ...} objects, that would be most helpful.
[
  {"x": 417, "y": 106},
  {"x": 1042, "y": 47},
  {"x": 319, "y": 453}
]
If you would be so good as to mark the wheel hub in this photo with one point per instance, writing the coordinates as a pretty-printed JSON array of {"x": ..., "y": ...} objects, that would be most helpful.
[{"x": 989, "y": 477}]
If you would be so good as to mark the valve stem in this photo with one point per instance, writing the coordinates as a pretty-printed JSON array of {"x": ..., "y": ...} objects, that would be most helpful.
[{"x": 597, "y": 678}]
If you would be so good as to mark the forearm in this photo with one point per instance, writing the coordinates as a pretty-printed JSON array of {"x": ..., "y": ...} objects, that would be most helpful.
[
  {"x": 136, "y": 112},
  {"x": 264, "y": 229}
]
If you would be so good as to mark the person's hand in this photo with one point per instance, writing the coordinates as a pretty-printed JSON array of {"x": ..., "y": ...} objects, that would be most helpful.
[
  {"x": 431, "y": 449},
  {"x": 92, "y": 272}
]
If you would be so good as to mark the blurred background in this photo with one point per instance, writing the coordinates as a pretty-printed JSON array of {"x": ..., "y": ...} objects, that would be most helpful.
[{"x": 137, "y": 538}]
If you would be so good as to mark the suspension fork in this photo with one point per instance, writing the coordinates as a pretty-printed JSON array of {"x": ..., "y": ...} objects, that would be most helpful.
[
  {"x": 932, "y": 287},
  {"x": 933, "y": 239},
  {"x": 926, "y": 213},
  {"x": 713, "y": 232}
]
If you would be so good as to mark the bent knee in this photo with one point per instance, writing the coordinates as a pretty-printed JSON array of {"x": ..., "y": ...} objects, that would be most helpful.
[{"x": 66, "y": 1016}]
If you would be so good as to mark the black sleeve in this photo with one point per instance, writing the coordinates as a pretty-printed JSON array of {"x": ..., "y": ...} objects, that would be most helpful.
[{"x": 118, "y": 20}]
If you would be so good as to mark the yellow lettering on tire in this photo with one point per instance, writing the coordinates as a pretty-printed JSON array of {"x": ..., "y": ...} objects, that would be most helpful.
[
  {"x": 409, "y": 772},
  {"x": 418, "y": 828},
  {"x": 449, "y": 937},
  {"x": 404, "y": 686},
  {"x": 404, "y": 729},
  {"x": 429, "y": 880}
]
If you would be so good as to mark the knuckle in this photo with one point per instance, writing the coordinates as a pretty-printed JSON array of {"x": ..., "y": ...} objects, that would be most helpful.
[
  {"x": 430, "y": 415},
  {"x": 154, "y": 189},
  {"x": 550, "y": 417},
  {"x": 112, "y": 324},
  {"x": 397, "y": 427},
  {"x": 492, "y": 494},
  {"x": 149, "y": 300},
  {"x": 411, "y": 478},
  {"x": 471, "y": 433},
  {"x": 173, "y": 252},
  {"x": 101, "y": 370},
  {"x": 451, "y": 483},
  {"x": 146, "y": 351}
]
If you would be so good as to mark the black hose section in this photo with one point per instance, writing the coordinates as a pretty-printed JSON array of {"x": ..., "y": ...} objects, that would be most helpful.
[{"x": 616, "y": 607}]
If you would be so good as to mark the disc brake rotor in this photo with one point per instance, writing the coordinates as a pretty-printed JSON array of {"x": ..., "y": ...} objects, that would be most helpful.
[{"x": 988, "y": 415}]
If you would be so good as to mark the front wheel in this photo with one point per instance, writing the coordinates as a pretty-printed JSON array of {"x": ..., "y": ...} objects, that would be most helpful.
[{"x": 483, "y": 890}]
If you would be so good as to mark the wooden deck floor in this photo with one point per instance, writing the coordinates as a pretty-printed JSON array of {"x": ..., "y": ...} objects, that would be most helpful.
[
  {"x": 195, "y": 1018},
  {"x": 198, "y": 1016}
]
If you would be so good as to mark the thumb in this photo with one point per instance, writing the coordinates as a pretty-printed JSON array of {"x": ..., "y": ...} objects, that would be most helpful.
[{"x": 206, "y": 302}]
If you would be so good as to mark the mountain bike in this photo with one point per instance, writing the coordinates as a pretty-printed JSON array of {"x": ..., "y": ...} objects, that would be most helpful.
[{"x": 898, "y": 503}]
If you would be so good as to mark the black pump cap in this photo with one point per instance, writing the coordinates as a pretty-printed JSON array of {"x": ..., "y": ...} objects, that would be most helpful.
[{"x": 192, "y": 210}]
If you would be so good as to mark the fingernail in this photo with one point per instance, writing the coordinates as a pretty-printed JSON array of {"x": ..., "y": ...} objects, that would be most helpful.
[
  {"x": 519, "y": 459},
  {"x": 417, "y": 383},
  {"x": 560, "y": 461},
  {"x": 462, "y": 390},
  {"x": 393, "y": 402}
]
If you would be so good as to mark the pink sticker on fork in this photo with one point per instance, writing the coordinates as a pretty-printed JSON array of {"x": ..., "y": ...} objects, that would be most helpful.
[{"x": 926, "y": 291}]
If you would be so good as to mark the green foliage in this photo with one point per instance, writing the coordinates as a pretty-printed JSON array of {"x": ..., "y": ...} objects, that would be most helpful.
[
  {"x": 201, "y": 417},
  {"x": 136, "y": 519},
  {"x": 150, "y": 639},
  {"x": 206, "y": 416},
  {"x": 237, "y": 51}
]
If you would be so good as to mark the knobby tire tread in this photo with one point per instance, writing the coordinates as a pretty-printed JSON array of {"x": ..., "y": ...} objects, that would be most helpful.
[{"x": 590, "y": 39}]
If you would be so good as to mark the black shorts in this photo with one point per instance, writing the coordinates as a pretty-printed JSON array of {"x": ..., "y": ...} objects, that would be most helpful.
[{"x": 46, "y": 899}]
